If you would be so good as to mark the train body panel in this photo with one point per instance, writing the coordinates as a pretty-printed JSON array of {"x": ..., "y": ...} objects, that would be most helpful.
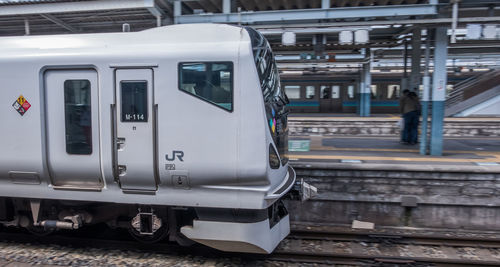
[{"x": 173, "y": 116}]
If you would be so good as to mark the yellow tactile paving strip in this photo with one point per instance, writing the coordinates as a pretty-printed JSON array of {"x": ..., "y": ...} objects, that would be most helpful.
[
  {"x": 413, "y": 159},
  {"x": 486, "y": 156}
]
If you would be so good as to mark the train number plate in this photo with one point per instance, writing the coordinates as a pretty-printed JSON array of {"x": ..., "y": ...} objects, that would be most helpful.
[{"x": 169, "y": 167}]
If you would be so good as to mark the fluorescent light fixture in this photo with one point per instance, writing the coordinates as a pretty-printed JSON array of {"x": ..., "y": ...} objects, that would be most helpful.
[{"x": 349, "y": 56}]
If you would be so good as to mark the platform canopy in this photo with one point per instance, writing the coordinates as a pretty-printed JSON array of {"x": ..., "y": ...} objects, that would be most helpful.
[{"x": 78, "y": 16}]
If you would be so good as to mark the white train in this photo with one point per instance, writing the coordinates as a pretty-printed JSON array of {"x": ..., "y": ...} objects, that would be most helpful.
[{"x": 178, "y": 132}]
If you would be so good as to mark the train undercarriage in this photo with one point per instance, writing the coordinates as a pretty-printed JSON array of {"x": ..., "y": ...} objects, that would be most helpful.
[
  {"x": 239, "y": 230},
  {"x": 254, "y": 231}
]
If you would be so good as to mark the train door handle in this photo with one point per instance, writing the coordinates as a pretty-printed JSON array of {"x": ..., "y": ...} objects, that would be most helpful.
[
  {"x": 120, "y": 143},
  {"x": 122, "y": 170}
]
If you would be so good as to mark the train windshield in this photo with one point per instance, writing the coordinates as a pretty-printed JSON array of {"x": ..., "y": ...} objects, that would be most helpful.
[{"x": 275, "y": 98}]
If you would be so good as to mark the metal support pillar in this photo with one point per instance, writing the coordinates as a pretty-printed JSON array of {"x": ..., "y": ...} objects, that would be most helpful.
[
  {"x": 226, "y": 6},
  {"x": 415, "y": 60},
  {"x": 425, "y": 97},
  {"x": 177, "y": 11},
  {"x": 365, "y": 87},
  {"x": 158, "y": 21},
  {"x": 438, "y": 90},
  {"x": 325, "y": 4},
  {"x": 454, "y": 16},
  {"x": 404, "y": 80},
  {"x": 26, "y": 27},
  {"x": 319, "y": 43},
  {"x": 360, "y": 107},
  {"x": 368, "y": 83}
]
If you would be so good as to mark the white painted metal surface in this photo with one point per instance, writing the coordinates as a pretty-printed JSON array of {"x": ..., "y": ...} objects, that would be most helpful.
[
  {"x": 224, "y": 152},
  {"x": 288, "y": 38},
  {"x": 135, "y": 130},
  {"x": 243, "y": 237},
  {"x": 361, "y": 37},
  {"x": 86, "y": 173},
  {"x": 346, "y": 37}
]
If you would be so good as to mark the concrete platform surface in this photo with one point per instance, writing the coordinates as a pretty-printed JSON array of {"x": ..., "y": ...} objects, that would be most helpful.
[
  {"x": 376, "y": 117},
  {"x": 382, "y": 152}
]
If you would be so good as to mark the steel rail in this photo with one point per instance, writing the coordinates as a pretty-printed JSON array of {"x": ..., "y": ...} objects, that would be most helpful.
[
  {"x": 360, "y": 259},
  {"x": 283, "y": 254},
  {"x": 370, "y": 260},
  {"x": 419, "y": 239}
]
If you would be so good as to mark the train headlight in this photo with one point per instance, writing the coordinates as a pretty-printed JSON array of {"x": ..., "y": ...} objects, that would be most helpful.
[{"x": 274, "y": 160}]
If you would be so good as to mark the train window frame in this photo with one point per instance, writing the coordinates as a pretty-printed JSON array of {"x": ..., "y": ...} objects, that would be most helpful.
[
  {"x": 145, "y": 118},
  {"x": 231, "y": 83},
  {"x": 351, "y": 91},
  {"x": 396, "y": 93},
  {"x": 374, "y": 92},
  {"x": 322, "y": 89},
  {"x": 308, "y": 90},
  {"x": 67, "y": 116},
  {"x": 337, "y": 94},
  {"x": 295, "y": 86}
]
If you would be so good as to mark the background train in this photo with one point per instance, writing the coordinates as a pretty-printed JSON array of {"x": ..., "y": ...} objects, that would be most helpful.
[
  {"x": 339, "y": 93},
  {"x": 176, "y": 132}
]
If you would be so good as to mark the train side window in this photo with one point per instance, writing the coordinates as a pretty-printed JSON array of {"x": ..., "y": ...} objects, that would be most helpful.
[
  {"x": 393, "y": 91},
  {"x": 373, "y": 90},
  {"x": 350, "y": 91},
  {"x": 78, "y": 117},
  {"x": 310, "y": 91},
  {"x": 292, "y": 91},
  {"x": 324, "y": 92},
  {"x": 209, "y": 81},
  {"x": 134, "y": 101},
  {"x": 335, "y": 91}
]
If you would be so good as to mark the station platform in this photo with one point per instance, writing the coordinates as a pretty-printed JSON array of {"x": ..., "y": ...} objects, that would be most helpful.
[
  {"x": 363, "y": 172},
  {"x": 465, "y": 154},
  {"x": 470, "y": 144}
]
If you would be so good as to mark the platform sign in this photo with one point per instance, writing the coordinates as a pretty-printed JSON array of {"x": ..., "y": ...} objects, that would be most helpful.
[
  {"x": 299, "y": 145},
  {"x": 487, "y": 163},
  {"x": 21, "y": 105}
]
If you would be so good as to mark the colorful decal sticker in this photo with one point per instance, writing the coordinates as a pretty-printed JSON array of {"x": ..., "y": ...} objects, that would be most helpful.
[
  {"x": 272, "y": 124},
  {"x": 21, "y": 105}
]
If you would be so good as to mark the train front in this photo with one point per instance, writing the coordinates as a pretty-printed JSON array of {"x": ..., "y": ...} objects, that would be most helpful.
[{"x": 266, "y": 185}]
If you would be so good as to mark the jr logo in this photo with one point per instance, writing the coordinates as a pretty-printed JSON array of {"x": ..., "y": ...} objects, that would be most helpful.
[{"x": 179, "y": 154}]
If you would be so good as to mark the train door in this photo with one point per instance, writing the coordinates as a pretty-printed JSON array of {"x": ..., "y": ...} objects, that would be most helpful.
[
  {"x": 135, "y": 132},
  {"x": 324, "y": 99},
  {"x": 72, "y": 128},
  {"x": 330, "y": 98}
]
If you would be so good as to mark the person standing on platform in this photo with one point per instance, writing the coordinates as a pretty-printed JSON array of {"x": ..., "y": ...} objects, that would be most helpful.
[{"x": 410, "y": 109}]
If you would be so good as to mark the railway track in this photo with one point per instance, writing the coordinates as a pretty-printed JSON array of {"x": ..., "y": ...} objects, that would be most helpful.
[
  {"x": 372, "y": 249},
  {"x": 309, "y": 246},
  {"x": 389, "y": 238}
]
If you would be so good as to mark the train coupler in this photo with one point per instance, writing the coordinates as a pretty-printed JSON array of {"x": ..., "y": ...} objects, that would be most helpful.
[{"x": 302, "y": 191}]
